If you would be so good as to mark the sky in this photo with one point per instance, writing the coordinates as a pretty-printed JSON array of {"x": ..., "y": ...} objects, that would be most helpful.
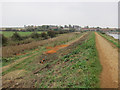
[{"x": 103, "y": 14}]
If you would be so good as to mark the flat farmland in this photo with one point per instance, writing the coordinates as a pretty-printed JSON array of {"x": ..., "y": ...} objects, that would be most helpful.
[{"x": 10, "y": 33}]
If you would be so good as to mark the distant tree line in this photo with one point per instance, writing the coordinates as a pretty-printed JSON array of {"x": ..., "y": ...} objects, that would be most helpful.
[
  {"x": 17, "y": 37},
  {"x": 32, "y": 28}
]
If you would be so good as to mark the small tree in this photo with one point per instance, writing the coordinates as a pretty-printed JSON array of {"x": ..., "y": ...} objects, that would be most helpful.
[
  {"x": 44, "y": 35},
  {"x": 51, "y": 34},
  {"x": 3, "y": 40},
  {"x": 35, "y": 35},
  {"x": 16, "y": 36},
  {"x": 61, "y": 32}
]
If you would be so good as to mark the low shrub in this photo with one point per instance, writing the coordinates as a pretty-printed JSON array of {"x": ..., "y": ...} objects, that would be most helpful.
[
  {"x": 4, "y": 40},
  {"x": 102, "y": 32},
  {"x": 35, "y": 35},
  {"x": 56, "y": 32},
  {"x": 61, "y": 32},
  {"x": 51, "y": 33},
  {"x": 16, "y": 37},
  {"x": 44, "y": 35}
]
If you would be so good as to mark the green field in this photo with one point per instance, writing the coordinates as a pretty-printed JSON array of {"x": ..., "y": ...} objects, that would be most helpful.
[{"x": 10, "y": 33}]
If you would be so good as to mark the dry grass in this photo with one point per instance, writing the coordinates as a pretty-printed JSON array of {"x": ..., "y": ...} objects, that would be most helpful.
[{"x": 9, "y": 51}]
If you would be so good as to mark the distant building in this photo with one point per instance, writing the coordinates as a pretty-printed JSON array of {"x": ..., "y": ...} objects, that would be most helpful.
[
  {"x": 109, "y": 29},
  {"x": 89, "y": 29},
  {"x": 66, "y": 28},
  {"x": 53, "y": 27},
  {"x": 100, "y": 29},
  {"x": 76, "y": 27},
  {"x": 12, "y": 29}
]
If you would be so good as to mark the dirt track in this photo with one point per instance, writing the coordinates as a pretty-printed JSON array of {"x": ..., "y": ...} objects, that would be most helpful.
[
  {"x": 108, "y": 56},
  {"x": 16, "y": 62}
]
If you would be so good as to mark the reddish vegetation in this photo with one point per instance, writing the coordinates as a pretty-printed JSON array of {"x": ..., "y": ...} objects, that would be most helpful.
[
  {"x": 49, "y": 47},
  {"x": 51, "y": 51},
  {"x": 54, "y": 49},
  {"x": 26, "y": 53},
  {"x": 20, "y": 54},
  {"x": 9, "y": 51},
  {"x": 41, "y": 61}
]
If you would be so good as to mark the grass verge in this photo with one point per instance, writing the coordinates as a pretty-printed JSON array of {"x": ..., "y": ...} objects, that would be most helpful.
[{"x": 111, "y": 39}]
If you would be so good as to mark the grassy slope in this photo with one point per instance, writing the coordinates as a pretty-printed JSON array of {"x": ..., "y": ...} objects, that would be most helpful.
[
  {"x": 111, "y": 39},
  {"x": 78, "y": 69},
  {"x": 81, "y": 70},
  {"x": 83, "y": 67},
  {"x": 7, "y": 61}
]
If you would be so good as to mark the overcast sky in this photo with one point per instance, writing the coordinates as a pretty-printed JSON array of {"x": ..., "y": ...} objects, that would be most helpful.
[{"x": 103, "y": 14}]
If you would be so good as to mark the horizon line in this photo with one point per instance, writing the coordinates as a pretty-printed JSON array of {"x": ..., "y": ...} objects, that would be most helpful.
[{"x": 57, "y": 25}]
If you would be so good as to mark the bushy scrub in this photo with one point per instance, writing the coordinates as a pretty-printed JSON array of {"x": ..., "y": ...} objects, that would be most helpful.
[
  {"x": 4, "y": 40},
  {"x": 35, "y": 35},
  {"x": 51, "y": 33},
  {"x": 16, "y": 37},
  {"x": 44, "y": 35}
]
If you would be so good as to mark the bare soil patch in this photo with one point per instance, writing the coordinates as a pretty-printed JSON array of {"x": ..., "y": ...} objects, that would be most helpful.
[
  {"x": 54, "y": 49},
  {"x": 108, "y": 56},
  {"x": 11, "y": 79}
]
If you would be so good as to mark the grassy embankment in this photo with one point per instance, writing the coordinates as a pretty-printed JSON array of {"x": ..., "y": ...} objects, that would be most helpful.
[
  {"x": 81, "y": 71},
  {"x": 63, "y": 39},
  {"x": 78, "y": 69},
  {"x": 111, "y": 39}
]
